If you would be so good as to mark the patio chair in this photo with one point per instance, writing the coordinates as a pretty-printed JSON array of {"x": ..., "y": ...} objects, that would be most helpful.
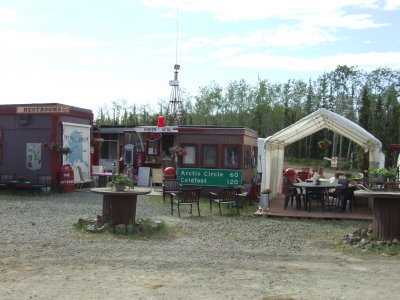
[
  {"x": 317, "y": 194},
  {"x": 291, "y": 193},
  {"x": 186, "y": 197},
  {"x": 170, "y": 186},
  {"x": 43, "y": 182},
  {"x": 5, "y": 178},
  {"x": 225, "y": 196}
]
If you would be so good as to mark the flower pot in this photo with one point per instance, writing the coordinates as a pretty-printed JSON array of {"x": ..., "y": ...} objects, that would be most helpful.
[
  {"x": 377, "y": 177},
  {"x": 119, "y": 187}
]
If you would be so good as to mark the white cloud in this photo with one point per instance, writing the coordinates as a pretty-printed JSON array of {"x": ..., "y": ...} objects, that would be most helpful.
[
  {"x": 365, "y": 61},
  {"x": 8, "y": 16},
  {"x": 284, "y": 36},
  {"x": 15, "y": 42},
  {"x": 339, "y": 20},
  {"x": 228, "y": 10},
  {"x": 163, "y": 36},
  {"x": 392, "y": 4}
]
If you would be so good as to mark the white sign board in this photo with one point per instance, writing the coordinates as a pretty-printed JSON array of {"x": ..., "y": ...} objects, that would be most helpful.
[
  {"x": 144, "y": 176},
  {"x": 77, "y": 138}
]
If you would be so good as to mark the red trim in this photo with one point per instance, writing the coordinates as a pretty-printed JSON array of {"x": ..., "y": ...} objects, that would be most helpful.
[
  {"x": 54, "y": 157},
  {"x": 190, "y": 129},
  {"x": 12, "y": 110},
  {"x": 8, "y": 111}
]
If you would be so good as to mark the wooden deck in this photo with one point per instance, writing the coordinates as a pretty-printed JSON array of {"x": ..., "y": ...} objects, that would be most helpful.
[{"x": 362, "y": 211}]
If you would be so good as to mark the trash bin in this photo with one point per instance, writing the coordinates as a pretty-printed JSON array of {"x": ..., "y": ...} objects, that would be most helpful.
[
  {"x": 66, "y": 179},
  {"x": 169, "y": 173}
]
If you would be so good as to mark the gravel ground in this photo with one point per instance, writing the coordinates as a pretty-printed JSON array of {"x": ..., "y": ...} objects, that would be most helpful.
[{"x": 210, "y": 257}]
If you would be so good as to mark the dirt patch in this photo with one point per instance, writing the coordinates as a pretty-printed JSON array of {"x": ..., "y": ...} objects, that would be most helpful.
[{"x": 210, "y": 257}]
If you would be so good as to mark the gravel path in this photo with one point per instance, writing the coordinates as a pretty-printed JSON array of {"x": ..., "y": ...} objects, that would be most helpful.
[{"x": 210, "y": 257}]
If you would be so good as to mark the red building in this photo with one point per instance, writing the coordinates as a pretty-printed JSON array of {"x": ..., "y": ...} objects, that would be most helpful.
[{"x": 26, "y": 129}]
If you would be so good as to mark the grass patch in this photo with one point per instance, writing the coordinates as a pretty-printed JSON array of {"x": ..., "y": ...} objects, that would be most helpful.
[
  {"x": 247, "y": 210},
  {"x": 362, "y": 240},
  {"x": 145, "y": 228}
]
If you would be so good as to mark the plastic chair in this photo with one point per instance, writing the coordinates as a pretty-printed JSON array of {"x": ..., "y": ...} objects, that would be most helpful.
[
  {"x": 317, "y": 194},
  {"x": 291, "y": 193}
]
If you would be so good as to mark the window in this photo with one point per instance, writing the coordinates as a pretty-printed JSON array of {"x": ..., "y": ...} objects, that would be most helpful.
[
  {"x": 210, "y": 156},
  {"x": 153, "y": 147},
  {"x": 190, "y": 157},
  {"x": 247, "y": 156},
  {"x": 231, "y": 156},
  {"x": 254, "y": 157},
  {"x": 109, "y": 149}
]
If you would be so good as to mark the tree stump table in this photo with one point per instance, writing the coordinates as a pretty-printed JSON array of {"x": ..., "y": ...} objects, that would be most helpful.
[
  {"x": 386, "y": 207},
  {"x": 120, "y": 207}
]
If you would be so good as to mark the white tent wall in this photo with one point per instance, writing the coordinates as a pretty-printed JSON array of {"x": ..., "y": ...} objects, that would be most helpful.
[
  {"x": 261, "y": 155},
  {"x": 274, "y": 145}
]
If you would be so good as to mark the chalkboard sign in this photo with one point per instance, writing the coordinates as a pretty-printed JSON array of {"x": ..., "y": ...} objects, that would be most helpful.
[
  {"x": 144, "y": 176},
  {"x": 212, "y": 177}
]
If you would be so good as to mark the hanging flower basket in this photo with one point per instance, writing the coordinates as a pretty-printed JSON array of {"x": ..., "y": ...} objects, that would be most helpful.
[
  {"x": 324, "y": 144},
  {"x": 98, "y": 141},
  {"x": 57, "y": 148},
  {"x": 178, "y": 151}
]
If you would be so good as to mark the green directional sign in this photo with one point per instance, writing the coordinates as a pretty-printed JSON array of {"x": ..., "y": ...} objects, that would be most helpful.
[{"x": 213, "y": 177}]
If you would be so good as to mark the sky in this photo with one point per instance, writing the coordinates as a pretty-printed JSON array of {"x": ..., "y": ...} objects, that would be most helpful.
[{"x": 89, "y": 53}]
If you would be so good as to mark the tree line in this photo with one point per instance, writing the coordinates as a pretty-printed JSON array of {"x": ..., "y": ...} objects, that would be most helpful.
[{"x": 368, "y": 98}]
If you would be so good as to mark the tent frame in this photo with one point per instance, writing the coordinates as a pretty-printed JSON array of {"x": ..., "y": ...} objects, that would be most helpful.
[{"x": 274, "y": 146}]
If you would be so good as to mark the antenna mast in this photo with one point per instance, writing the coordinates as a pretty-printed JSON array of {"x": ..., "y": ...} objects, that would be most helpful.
[{"x": 175, "y": 107}]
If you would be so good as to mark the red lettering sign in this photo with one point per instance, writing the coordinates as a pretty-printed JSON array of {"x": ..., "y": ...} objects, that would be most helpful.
[{"x": 154, "y": 136}]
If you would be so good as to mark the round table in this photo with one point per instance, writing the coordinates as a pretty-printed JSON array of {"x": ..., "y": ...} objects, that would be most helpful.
[
  {"x": 386, "y": 207},
  {"x": 309, "y": 186},
  {"x": 120, "y": 207}
]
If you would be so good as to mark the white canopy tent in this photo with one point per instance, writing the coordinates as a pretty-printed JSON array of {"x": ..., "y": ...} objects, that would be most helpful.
[{"x": 274, "y": 145}]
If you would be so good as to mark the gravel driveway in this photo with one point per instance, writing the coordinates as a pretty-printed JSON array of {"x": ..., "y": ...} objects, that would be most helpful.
[{"x": 210, "y": 257}]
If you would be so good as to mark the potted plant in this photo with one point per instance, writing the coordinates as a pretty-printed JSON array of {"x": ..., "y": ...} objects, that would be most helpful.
[
  {"x": 121, "y": 181},
  {"x": 57, "y": 148},
  {"x": 390, "y": 174},
  {"x": 264, "y": 199},
  {"x": 381, "y": 175}
]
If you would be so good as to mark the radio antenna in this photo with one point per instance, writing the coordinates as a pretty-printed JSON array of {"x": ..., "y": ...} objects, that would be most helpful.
[{"x": 175, "y": 107}]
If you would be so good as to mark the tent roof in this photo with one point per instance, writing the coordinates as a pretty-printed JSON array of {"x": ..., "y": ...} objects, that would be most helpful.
[{"x": 324, "y": 119}]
